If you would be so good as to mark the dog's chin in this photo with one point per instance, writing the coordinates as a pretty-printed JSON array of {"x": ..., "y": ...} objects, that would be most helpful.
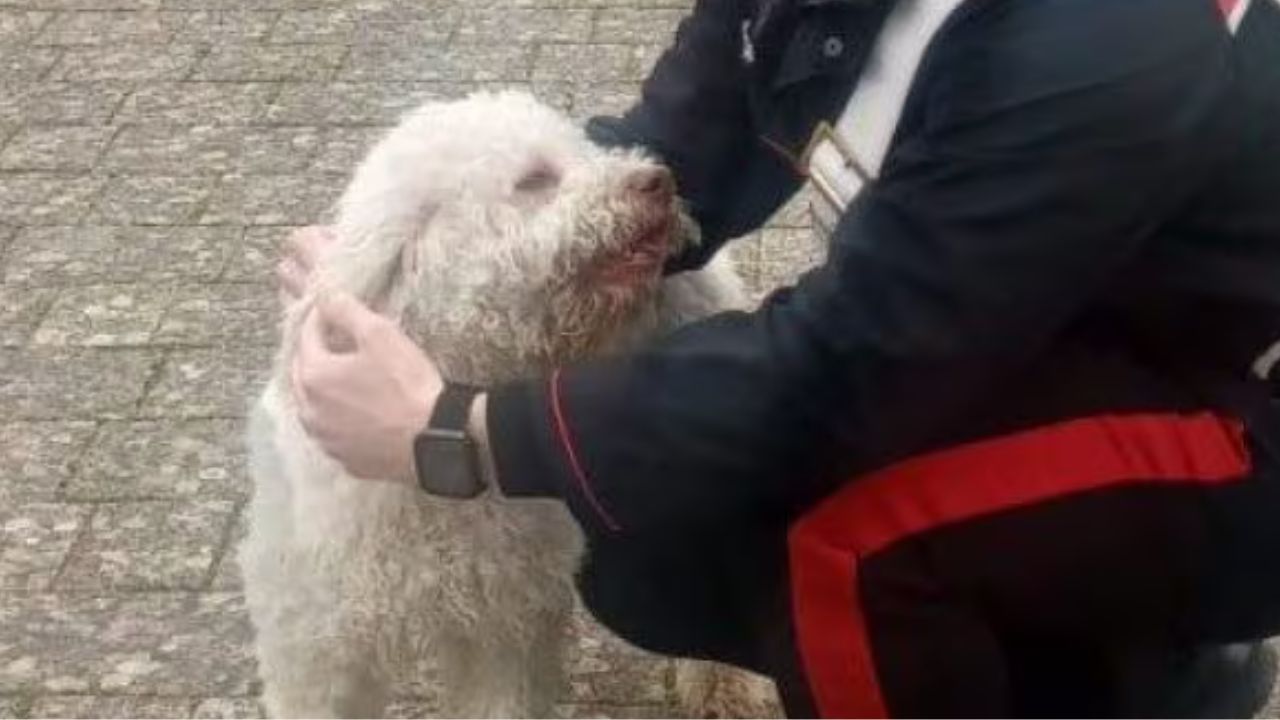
[{"x": 637, "y": 263}]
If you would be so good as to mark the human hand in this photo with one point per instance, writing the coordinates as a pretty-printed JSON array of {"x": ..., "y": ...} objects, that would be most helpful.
[
  {"x": 363, "y": 389},
  {"x": 299, "y": 256}
]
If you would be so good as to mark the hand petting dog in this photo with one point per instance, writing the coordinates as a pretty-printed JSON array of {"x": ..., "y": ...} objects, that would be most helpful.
[{"x": 362, "y": 387}]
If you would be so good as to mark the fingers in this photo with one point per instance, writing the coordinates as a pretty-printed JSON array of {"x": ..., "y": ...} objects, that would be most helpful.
[
  {"x": 305, "y": 245},
  {"x": 348, "y": 321},
  {"x": 301, "y": 251},
  {"x": 292, "y": 278},
  {"x": 313, "y": 360},
  {"x": 312, "y": 341}
]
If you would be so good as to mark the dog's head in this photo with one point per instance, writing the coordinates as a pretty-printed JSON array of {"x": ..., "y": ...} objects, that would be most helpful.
[{"x": 495, "y": 217}]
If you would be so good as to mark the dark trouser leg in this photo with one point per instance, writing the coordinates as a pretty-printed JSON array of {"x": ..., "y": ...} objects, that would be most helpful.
[{"x": 919, "y": 590}]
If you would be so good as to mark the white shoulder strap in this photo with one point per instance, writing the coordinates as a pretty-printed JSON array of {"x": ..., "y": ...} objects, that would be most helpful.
[{"x": 842, "y": 158}]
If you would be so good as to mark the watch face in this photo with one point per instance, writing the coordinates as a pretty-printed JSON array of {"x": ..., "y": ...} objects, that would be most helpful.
[{"x": 446, "y": 465}]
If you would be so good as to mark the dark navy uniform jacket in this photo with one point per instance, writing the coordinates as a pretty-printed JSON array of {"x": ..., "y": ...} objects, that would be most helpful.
[{"x": 1079, "y": 213}]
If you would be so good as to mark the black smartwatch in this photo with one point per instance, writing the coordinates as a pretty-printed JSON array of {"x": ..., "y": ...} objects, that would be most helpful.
[{"x": 444, "y": 456}]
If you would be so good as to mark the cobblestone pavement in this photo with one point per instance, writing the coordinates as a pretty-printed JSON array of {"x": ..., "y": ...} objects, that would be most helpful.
[{"x": 152, "y": 153}]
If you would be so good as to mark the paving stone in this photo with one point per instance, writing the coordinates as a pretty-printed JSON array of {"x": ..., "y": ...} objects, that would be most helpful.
[
  {"x": 139, "y": 63},
  {"x": 152, "y": 200},
  {"x": 12, "y": 96},
  {"x": 57, "y": 148},
  {"x": 208, "y": 383},
  {"x": 150, "y": 459},
  {"x": 104, "y": 315},
  {"x": 34, "y": 539},
  {"x": 69, "y": 103},
  {"x": 150, "y": 643},
  {"x": 261, "y": 62},
  {"x": 407, "y": 23},
  {"x": 228, "y": 5},
  {"x": 582, "y": 64},
  {"x": 599, "y": 710},
  {"x": 555, "y": 94},
  {"x": 458, "y": 63},
  {"x": 256, "y": 256},
  {"x": 149, "y": 546},
  {"x": 21, "y": 64},
  {"x": 412, "y": 708},
  {"x": 72, "y": 384},
  {"x": 21, "y": 309},
  {"x": 744, "y": 252},
  {"x": 38, "y": 199},
  {"x": 36, "y": 458},
  {"x": 173, "y": 150},
  {"x": 89, "y": 4},
  {"x": 685, "y": 5},
  {"x": 224, "y": 314},
  {"x": 344, "y": 148},
  {"x": 210, "y": 149},
  {"x": 109, "y": 706},
  {"x": 787, "y": 253},
  {"x": 646, "y": 57},
  {"x": 524, "y": 25},
  {"x": 226, "y": 25},
  {"x": 227, "y": 576},
  {"x": 611, "y": 99},
  {"x": 602, "y": 667},
  {"x": 14, "y": 707},
  {"x": 45, "y": 256},
  {"x": 347, "y": 103},
  {"x": 20, "y": 26},
  {"x": 272, "y": 200},
  {"x": 198, "y": 103},
  {"x": 186, "y": 253},
  {"x": 236, "y": 707},
  {"x": 637, "y": 26},
  {"x": 56, "y": 254},
  {"x": 107, "y": 28},
  {"x": 278, "y": 150},
  {"x": 316, "y": 26}
]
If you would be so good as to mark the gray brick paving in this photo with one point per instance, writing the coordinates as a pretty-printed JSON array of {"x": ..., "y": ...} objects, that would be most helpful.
[
  {"x": 38, "y": 458},
  {"x": 152, "y": 155},
  {"x": 49, "y": 105}
]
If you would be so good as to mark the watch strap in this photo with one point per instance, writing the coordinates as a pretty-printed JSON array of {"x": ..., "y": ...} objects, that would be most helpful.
[{"x": 453, "y": 407}]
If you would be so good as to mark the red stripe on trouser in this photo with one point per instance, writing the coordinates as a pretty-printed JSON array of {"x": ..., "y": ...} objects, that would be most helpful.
[
  {"x": 959, "y": 484},
  {"x": 1227, "y": 6}
]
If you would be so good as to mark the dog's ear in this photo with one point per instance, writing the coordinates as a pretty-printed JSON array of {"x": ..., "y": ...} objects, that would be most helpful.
[
  {"x": 380, "y": 221},
  {"x": 376, "y": 262}
]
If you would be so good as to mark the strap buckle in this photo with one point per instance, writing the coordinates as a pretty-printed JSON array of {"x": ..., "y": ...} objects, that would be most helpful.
[{"x": 825, "y": 135}]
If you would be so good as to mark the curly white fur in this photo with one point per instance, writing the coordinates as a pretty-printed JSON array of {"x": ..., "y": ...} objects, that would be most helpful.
[{"x": 482, "y": 226}]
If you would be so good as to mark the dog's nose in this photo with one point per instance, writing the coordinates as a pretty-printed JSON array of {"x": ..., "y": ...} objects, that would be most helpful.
[{"x": 652, "y": 185}]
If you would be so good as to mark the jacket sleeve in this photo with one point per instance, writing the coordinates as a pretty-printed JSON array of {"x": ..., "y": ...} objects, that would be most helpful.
[
  {"x": 992, "y": 225},
  {"x": 694, "y": 115}
]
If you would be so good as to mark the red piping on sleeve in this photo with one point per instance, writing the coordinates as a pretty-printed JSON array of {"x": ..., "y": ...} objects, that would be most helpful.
[{"x": 570, "y": 451}]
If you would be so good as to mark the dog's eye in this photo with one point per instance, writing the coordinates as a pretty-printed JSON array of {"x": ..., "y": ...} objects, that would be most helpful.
[{"x": 540, "y": 179}]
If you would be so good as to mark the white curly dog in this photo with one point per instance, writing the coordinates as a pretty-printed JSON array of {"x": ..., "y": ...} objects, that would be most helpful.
[{"x": 504, "y": 242}]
